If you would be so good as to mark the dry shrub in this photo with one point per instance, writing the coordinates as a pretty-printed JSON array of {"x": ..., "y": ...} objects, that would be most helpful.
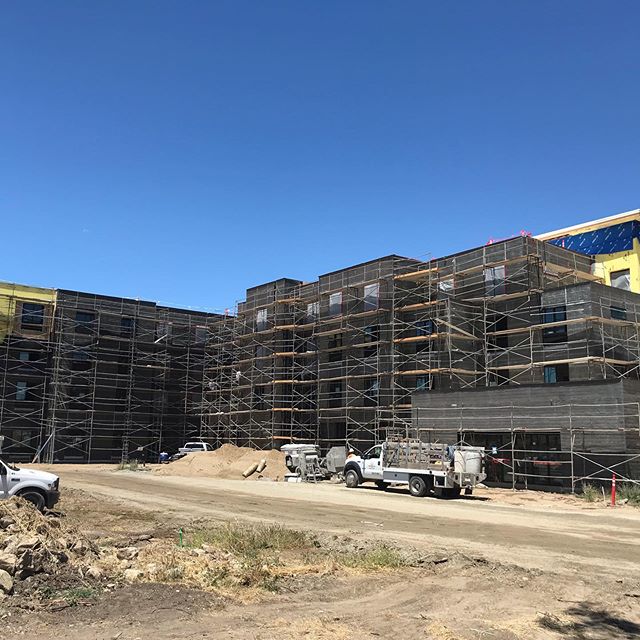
[{"x": 253, "y": 558}]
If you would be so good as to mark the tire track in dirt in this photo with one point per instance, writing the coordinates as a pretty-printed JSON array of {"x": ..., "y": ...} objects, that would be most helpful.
[{"x": 556, "y": 541}]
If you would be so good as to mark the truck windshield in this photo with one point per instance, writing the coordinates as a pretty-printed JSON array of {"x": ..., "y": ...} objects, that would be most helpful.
[{"x": 8, "y": 465}]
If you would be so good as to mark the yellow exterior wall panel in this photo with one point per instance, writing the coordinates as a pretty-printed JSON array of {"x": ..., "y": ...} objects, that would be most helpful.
[{"x": 12, "y": 296}]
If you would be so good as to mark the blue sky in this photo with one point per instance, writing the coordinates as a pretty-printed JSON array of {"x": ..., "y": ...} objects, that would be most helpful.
[{"x": 184, "y": 151}]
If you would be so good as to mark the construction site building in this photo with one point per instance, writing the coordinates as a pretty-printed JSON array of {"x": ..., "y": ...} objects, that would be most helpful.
[
  {"x": 340, "y": 359},
  {"x": 89, "y": 378},
  {"x": 614, "y": 243},
  {"x": 350, "y": 357}
]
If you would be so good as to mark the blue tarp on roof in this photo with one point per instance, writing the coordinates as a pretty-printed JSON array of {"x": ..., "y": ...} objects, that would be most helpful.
[{"x": 618, "y": 237}]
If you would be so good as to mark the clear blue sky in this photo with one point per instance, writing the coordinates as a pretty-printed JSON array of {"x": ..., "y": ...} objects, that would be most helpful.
[{"x": 182, "y": 151}]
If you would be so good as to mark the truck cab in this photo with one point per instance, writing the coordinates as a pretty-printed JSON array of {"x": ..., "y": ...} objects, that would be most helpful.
[
  {"x": 371, "y": 464},
  {"x": 195, "y": 447},
  {"x": 38, "y": 487}
]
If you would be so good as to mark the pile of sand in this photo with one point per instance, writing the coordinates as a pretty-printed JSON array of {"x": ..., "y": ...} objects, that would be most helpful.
[{"x": 227, "y": 462}]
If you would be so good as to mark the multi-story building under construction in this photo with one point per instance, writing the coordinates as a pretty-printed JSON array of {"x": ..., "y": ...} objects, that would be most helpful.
[
  {"x": 88, "y": 377},
  {"x": 339, "y": 359}
]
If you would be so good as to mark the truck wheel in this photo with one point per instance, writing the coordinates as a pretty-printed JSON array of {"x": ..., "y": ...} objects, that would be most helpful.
[
  {"x": 35, "y": 498},
  {"x": 351, "y": 479},
  {"x": 418, "y": 487}
]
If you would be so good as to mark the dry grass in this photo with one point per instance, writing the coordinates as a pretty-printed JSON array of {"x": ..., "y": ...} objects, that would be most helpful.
[
  {"x": 630, "y": 492},
  {"x": 590, "y": 493},
  {"x": 307, "y": 627},
  {"x": 250, "y": 558},
  {"x": 625, "y": 491}
]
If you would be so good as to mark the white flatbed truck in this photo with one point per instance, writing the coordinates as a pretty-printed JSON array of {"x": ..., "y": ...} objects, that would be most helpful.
[{"x": 444, "y": 470}]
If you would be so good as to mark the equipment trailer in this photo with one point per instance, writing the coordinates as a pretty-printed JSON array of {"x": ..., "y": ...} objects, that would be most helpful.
[{"x": 426, "y": 467}]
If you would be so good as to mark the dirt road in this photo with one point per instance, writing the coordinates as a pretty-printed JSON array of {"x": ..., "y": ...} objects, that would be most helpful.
[
  {"x": 605, "y": 542},
  {"x": 544, "y": 570}
]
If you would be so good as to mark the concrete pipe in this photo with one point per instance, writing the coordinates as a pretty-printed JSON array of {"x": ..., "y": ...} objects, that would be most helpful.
[
  {"x": 261, "y": 465},
  {"x": 250, "y": 470}
]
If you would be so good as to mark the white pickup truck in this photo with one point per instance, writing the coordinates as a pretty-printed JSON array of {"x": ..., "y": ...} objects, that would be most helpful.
[
  {"x": 39, "y": 487},
  {"x": 195, "y": 447},
  {"x": 426, "y": 467}
]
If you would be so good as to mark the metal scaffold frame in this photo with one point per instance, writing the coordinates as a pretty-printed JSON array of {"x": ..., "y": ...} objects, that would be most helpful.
[
  {"x": 116, "y": 374},
  {"x": 513, "y": 437}
]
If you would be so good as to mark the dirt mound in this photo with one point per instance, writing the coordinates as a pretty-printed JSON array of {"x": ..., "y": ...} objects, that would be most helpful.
[
  {"x": 227, "y": 462},
  {"x": 33, "y": 545}
]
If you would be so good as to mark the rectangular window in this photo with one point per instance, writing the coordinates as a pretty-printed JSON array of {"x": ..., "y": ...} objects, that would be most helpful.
[
  {"x": 372, "y": 387},
  {"x": 618, "y": 313},
  {"x": 313, "y": 311},
  {"x": 335, "y": 356},
  {"x": 371, "y": 296},
  {"x": 335, "y": 341},
  {"x": 163, "y": 333},
  {"x": 21, "y": 437},
  {"x": 494, "y": 280},
  {"x": 126, "y": 326},
  {"x": 425, "y": 327},
  {"x": 21, "y": 390},
  {"x": 84, "y": 320},
  {"x": 24, "y": 356},
  {"x": 423, "y": 346},
  {"x": 498, "y": 377},
  {"x": 262, "y": 351},
  {"x": 335, "y": 304},
  {"x": 32, "y": 316},
  {"x": 621, "y": 279},
  {"x": 558, "y": 333},
  {"x": 497, "y": 323},
  {"x": 550, "y": 375},
  {"x": 556, "y": 373},
  {"x": 446, "y": 286},
  {"x": 80, "y": 361},
  {"x": 370, "y": 351},
  {"x": 261, "y": 320},
  {"x": 201, "y": 335},
  {"x": 423, "y": 383},
  {"x": 335, "y": 389},
  {"x": 372, "y": 334}
]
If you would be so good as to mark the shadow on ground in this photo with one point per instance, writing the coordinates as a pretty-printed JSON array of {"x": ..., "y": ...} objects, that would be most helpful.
[{"x": 587, "y": 621}]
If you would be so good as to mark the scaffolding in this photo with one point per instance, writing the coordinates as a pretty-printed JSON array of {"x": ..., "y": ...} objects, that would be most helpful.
[
  {"x": 260, "y": 372},
  {"x": 337, "y": 360},
  {"x": 26, "y": 330},
  {"x": 560, "y": 445},
  {"x": 340, "y": 359},
  {"x": 111, "y": 375}
]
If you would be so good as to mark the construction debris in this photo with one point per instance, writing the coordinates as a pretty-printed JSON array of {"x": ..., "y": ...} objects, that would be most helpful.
[{"x": 32, "y": 544}]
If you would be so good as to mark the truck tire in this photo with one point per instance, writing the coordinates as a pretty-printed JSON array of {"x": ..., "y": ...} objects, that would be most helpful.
[
  {"x": 418, "y": 487},
  {"x": 351, "y": 479},
  {"x": 34, "y": 497}
]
